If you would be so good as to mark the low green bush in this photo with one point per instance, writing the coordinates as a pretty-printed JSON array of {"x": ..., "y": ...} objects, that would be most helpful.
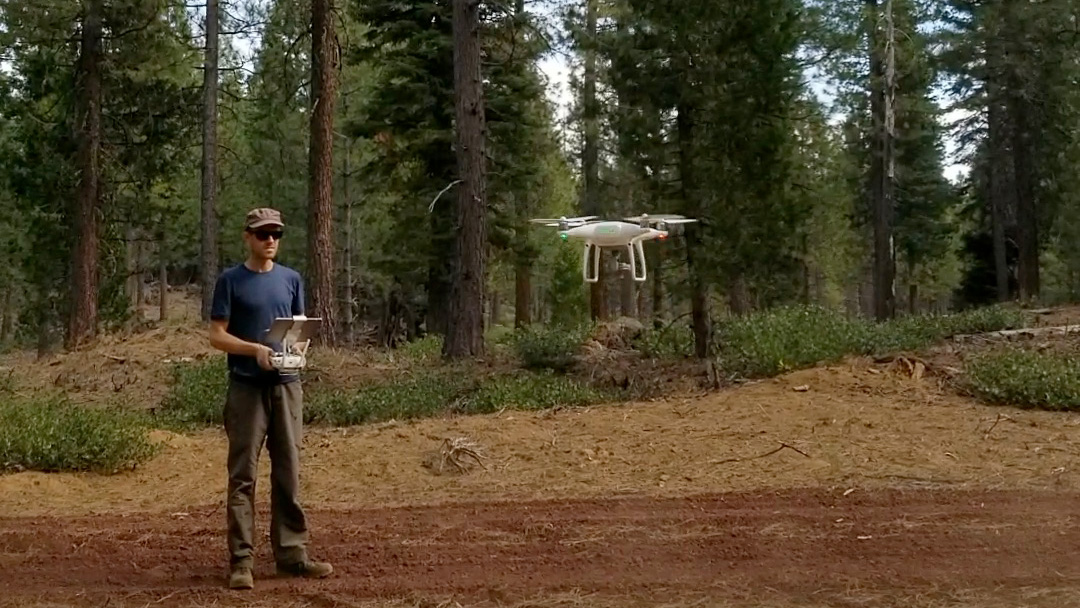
[
  {"x": 553, "y": 348},
  {"x": 51, "y": 434},
  {"x": 420, "y": 395},
  {"x": 531, "y": 391},
  {"x": 788, "y": 338},
  {"x": 794, "y": 337},
  {"x": 434, "y": 393},
  {"x": 674, "y": 341},
  {"x": 1025, "y": 378},
  {"x": 196, "y": 395}
]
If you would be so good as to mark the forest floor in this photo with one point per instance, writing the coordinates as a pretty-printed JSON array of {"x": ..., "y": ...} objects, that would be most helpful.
[{"x": 865, "y": 483}]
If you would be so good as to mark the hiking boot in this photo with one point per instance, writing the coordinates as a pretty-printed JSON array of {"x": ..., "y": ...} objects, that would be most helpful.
[
  {"x": 241, "y": 578},
  {"x": 306, "y": 569}
]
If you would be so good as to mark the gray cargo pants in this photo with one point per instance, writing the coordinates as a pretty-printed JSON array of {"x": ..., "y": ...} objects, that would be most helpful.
[{"x": 274, "y": 414}]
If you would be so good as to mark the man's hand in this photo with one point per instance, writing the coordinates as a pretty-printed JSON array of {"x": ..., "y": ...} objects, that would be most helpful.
[{"x": 262, "y": 356}]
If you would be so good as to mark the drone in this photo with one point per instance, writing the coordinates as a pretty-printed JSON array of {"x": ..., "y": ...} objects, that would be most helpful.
[
  {"x": 629, "y": 233},
  {"x": 294, "y": 334}
]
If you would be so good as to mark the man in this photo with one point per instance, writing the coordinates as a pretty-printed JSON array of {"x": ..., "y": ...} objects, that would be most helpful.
[{"x": 261, "y": 404}]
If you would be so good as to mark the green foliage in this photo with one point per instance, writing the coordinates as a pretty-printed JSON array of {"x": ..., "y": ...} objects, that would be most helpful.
[
  {"x": 567, "y": 293},
  {"x": 420, "y": 395},
  {"x": 1025, "y": 378},
  {"x": 668, "y": 342},
  {"x": 788, "y": 338},
  {"x": 795, "y": 337},
  {"x": 550, "y": 347},
  {"x": 196, "y": 396},
  {"x": 51, "y": 434},
  {"x": 531, "y": 391},
  {"x": 437, "y": 392}
]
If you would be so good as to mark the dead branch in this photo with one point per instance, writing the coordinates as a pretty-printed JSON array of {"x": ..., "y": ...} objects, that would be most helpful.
[
  {"x": 766, "y": 454},
  {"x": 1000, "y": 417},
  {"x": 461, "y": 454}
]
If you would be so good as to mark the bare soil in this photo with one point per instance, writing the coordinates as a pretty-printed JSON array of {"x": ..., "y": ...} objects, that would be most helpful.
[{"x": 861, "y": 484}]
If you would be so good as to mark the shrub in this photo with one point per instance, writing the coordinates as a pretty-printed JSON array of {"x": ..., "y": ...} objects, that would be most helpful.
[
  {"x": 787, "y": 338},
  {"x": 530, "y": 391},
  {"x": 668, "y": 342},
  {"x": 423, "y": 350},
  {"x": 910, "y": 333},
  {"x": 794, "y": 337},
  {"x": 421, "y": 395},
  {"x": 428, "y": 394},
  {"x": 552, "y": 348},
  {"x": 51, "y": 434},
  {"x": 1025, "y": 378},
  {"x": 197, "y": 394}
]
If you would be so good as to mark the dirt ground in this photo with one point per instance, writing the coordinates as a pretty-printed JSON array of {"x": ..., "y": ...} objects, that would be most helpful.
[{"x": 852, "y": 485}]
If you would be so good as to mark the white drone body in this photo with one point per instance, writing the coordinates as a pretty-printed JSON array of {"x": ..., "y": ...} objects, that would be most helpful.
[
  {"x": 294, "y": 334},
  {"x": 628, "y": 234}
]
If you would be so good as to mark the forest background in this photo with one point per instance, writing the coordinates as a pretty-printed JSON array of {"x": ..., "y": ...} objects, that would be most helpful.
[{"x": 881, "y": 157}]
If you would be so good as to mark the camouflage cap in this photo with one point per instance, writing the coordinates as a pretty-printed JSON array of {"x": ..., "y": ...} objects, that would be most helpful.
[{"x": 258, "y": 218}]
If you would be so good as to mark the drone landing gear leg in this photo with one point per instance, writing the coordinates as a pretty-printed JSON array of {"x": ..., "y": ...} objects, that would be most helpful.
[
  {"x": 636, "y": 253},
  {"x": 591, "y": 262}
]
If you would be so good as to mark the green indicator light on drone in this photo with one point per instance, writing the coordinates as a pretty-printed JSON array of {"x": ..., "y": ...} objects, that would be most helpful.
[{"x": 565, "y": 237}]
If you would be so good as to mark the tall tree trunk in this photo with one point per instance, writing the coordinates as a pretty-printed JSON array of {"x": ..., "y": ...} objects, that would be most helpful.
[
  {"x": 209, "y": 222},
  {"x": 882, "y": 173},
  {"x": 656, "y": 270},
  {"x": 163, "y": 280},
  {"x": 347, "y": 295},
  {"x": 522, "y": 293},
  {"x": 131, "y": 265},
  {"x": 739, "y": 299},
  {"x": 324, "y": 58},
  {"x": 699, "y": 300},
  {"x": 1000, "y": 194},
  {"x": 8, "y": 314},
  {"x": 1026, "y": 206},
  {"x": 465, "y": 337},
  {"x": 590, "y": 160},
  {"x": 628, "y": 294},
  {"x": 82, "y": 319}
]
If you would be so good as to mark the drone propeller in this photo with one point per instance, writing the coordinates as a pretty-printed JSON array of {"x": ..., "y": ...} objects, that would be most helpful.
[
  {"x": 660, "y": 219},
  {"x": 568, "y": 222}
]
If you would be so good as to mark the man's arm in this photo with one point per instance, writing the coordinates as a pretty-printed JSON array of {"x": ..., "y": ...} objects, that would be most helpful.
[{"x": 224, "y": 341}]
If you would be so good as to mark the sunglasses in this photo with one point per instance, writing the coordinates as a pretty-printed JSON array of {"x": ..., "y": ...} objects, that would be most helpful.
[{"x": 263, "y": 235}]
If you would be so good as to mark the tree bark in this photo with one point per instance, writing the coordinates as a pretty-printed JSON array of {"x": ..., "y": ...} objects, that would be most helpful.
[
  {"x": 321, "y": 168},
  {"x": 590, "y": 160},
  {"x": 163, "y": 280},
  {"x": 465, "y": 337},
  {"x": 209, "y": 221},
  {"x": 628, "y": 294},
  {"x": 699, "y": 300},
  {"x": 132, "y": 255},
  {"x": 522, "y": 293},
  {"x": 82, "y": 319},
  {"x": 349, "y": 330},
  {"x": 1026, "y": 205},
  {"x": 1000, "y": 193},
  {"x": 882, "y": 172}
]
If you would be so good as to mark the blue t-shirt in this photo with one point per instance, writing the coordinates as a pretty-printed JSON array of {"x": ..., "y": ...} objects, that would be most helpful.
[{"x": 250, "y": 301}]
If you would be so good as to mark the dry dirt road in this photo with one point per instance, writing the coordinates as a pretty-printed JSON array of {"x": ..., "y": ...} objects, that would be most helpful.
[{"x": 794, "y": 547}]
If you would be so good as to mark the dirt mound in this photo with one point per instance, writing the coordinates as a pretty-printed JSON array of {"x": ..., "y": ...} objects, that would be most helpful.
[{"x": 132, "y": 368}]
